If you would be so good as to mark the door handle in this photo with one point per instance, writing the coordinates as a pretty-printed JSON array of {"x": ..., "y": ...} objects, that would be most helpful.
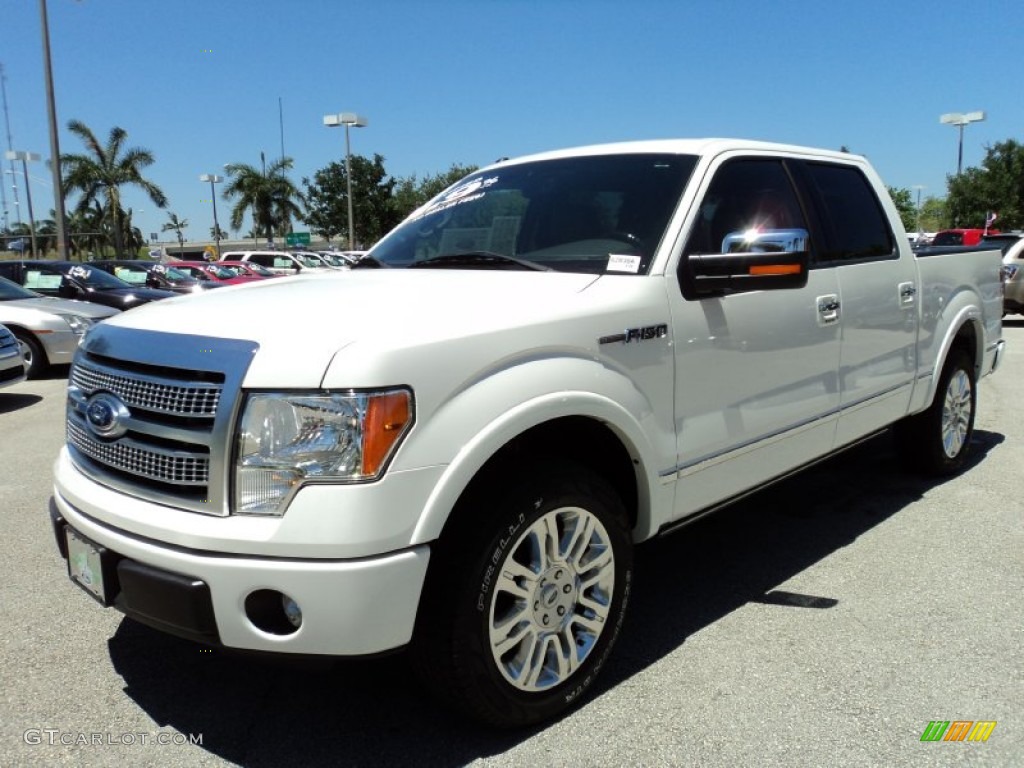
[
  {"x": 828, "y": 309},
  {"x": 907, "y": 292}
]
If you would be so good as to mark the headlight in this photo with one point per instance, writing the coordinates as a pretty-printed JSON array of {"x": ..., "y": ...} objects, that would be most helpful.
[
  {"x": 285, "y": 439},
  {"x": 79, "y": 324}
]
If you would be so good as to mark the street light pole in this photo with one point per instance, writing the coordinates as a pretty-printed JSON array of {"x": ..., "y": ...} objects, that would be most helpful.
[
  {"x": 347, "y": 119},
  {"x": 961, "y": 119},
  {"x": 919, "y": 187},
  {"x": 51, "y": 111},
  {"x": 25, "y": 157},
  {"x": 214, "y": 179}
]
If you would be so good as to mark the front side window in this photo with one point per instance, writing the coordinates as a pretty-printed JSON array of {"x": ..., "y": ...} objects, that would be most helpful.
[
  {"x": 597, "y": 214},
  {"x": 747, "y": 200}
]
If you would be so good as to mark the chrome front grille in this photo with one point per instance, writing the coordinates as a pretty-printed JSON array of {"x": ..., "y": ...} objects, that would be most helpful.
[
  {"x": 161, "y": 397},
  {"x": 139, "y": 460},
  {"x": 148, "y": 414}
]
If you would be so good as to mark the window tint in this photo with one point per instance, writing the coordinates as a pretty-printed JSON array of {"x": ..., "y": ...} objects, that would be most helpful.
[
  {"x": 745, "y": 195},
  {"x": 854, "y": 225}
]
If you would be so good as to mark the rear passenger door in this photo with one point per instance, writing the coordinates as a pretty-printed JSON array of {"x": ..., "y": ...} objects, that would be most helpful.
[
  {"x": 756, "y": 382},
  {"x": 878, "y": 296}
]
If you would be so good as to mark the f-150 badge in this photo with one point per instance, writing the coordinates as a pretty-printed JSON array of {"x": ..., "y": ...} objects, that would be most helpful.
[{"x": 631, "y": 335}]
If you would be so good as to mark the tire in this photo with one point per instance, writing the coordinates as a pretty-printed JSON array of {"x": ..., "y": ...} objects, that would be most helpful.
[
  {"x": 937, "y": 441},
  {"x": 36, "y": 363},
  {"x": 525, "y": 601}
]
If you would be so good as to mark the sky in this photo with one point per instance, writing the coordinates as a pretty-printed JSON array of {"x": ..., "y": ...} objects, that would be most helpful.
[{"x": 202, "y": 83}]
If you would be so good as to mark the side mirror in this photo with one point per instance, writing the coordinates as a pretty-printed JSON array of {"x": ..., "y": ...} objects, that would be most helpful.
[
  {"x": 755, "y": 261},
  {"x": 152, "y": 281}
]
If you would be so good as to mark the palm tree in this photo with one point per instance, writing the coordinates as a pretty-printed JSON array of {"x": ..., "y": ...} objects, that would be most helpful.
[
  {"x": 267, "y": 194},
  {"x": 85, "y": 233},
  {"x": 176, "y": 224},
  {"x": 103, "y": 171}
]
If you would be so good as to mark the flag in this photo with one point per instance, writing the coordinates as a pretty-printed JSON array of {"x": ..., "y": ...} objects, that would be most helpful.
[{"x": 991, "y": 219}]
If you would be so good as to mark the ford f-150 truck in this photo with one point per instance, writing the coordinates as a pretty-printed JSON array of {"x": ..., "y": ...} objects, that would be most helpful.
[{"x": 454, "y": 447}]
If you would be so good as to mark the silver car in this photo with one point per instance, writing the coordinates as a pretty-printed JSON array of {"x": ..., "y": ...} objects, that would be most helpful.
[
  {"x": 48, "y": 329},
  {"x": 12, "y": 364},
  {"x": 1013, "y": 276}
]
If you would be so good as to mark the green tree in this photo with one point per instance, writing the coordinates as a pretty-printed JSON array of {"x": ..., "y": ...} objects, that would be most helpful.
[
  {"x": 174, "y": 224},
  {"x": 933, "y": 214},
  {"x": 998, "y": 186},
  {"x": 411, "y": 193},
  {"x": 373, "y": 210},
  {"x": 100, "y": 174},
  {"x": 267, "y": 194},
  {"x": 904, "y": 203}
]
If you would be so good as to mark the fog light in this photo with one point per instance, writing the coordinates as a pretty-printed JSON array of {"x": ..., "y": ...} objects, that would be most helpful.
[{"x": 292, "y": 611}]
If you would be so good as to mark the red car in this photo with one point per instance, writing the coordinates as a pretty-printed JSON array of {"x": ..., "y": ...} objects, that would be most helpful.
[
  {"x": 961, "y": 236},
  {"x": 220, "y": 272}
]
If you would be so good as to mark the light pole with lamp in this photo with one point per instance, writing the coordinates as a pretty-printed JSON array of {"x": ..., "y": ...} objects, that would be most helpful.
[
  {"x": 960, "y": 119},
  {"x": 348, "y": 119},
  {"x": 214, "y": 179},
  {"x": 25, "y": 157}
]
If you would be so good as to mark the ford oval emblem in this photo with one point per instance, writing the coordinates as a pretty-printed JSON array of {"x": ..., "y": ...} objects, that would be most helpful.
[{"x": 106, "y": 415}]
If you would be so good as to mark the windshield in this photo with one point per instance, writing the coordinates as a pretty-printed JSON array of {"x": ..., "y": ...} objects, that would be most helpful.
[
  {"x": 95, "y": 278},
  {"x": 309, "y": 260},
  {"x": 596, "y": 214}
]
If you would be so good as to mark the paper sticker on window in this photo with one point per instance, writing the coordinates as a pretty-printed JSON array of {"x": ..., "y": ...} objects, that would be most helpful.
[{"x": 622, "y": 262}]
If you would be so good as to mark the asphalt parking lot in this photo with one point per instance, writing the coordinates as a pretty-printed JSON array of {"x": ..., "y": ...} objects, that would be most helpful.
[{"x": 824, "y": 622}]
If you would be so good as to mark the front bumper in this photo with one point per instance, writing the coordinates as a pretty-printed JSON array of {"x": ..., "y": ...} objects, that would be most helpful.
[{"x": 349, "y": 607}]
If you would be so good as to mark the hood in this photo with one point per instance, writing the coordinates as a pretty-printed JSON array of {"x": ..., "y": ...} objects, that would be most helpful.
[
  {"x": 300, "y": 323},
  {"x": 64, "y": 307}
]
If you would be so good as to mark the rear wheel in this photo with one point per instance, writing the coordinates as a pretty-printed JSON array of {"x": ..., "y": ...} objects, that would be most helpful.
[
  {"x": 524, "y": 604},
  {"x": 937, "y": 441}
]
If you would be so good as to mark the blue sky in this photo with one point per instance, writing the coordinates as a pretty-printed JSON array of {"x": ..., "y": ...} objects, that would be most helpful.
[{"x": 198, "y": 82}]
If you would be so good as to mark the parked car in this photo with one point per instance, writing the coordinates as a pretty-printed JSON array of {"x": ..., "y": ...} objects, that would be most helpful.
[
  {"x": 153, "y": 275},
  {"x": 281, "y": 262},
  {"x": 12, "y": 362},
  {"x": 961, "y": 236},
  {"x": 48, "y": 329},
  {"x": 78, "y": 280},
  {"x": 248, "y": 268},
  {"x": 212, "y": 272},
  {"x": 1002, "y": 240},
  {"x": 1013, "y": 279}
]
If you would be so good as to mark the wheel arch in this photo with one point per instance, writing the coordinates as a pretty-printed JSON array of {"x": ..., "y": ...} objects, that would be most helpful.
[{"x": 587, "y": 435}]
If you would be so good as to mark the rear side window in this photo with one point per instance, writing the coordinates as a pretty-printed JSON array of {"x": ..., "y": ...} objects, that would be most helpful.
[{"x": 854, "y": 226}]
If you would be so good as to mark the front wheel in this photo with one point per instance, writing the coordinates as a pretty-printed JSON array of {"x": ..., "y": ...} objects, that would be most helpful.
[
  {"x": 937, "y": 441},
  {"x": 36, "y": 363},
  {"x": 527, "y": 599}
]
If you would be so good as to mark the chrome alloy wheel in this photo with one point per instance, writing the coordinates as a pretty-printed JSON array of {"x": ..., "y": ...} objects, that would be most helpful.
[
  {"x": 956, "y": 413},
  {"x": 552, "y": 598}
]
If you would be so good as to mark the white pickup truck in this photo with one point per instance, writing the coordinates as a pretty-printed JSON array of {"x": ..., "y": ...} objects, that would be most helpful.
[{"x": 454, "y": 447}]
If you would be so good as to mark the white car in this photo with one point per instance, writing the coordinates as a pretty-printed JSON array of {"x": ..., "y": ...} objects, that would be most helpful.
[
  {"x": 48, "y": 329},
  {"x": 280, "y": 262},
  {"x": 12, "y": 364}
]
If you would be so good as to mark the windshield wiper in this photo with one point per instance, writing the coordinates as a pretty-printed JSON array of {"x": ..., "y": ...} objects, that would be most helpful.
[{"x": 482, "y": 259}]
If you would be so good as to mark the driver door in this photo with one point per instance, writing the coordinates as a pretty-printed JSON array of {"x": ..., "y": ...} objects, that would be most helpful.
[{"x": 756, "y": 371}]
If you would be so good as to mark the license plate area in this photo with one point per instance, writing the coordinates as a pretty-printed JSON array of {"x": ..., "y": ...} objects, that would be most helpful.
[{"x": 90, "y": 566}]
